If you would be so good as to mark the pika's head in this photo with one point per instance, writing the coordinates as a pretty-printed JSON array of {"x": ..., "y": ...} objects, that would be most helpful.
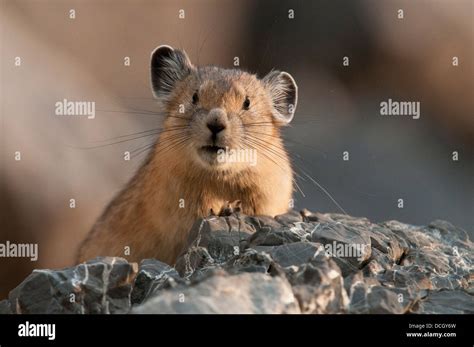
[{"x": 213, "y": 112}]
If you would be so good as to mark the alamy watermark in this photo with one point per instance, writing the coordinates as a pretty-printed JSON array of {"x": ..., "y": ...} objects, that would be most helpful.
[
  {"x": 400, "y": 108},
  {"x": 345, "y": 250},
  {"x": 75, "y": 108},
  {"x": 28, "y": 329},
  {"x": 19, "y": 250},
  {"x": 241, "y": 155}
]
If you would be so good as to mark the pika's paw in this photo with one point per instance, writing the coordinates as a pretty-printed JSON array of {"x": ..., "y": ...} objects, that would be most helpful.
[{"x": 228, "y": 208}]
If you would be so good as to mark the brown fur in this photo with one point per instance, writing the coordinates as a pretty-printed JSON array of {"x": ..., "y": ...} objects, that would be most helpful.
[{"x": 146, "y": 216}]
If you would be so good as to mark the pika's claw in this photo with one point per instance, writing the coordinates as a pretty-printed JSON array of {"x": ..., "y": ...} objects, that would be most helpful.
[{"x": 230, "y": 208}]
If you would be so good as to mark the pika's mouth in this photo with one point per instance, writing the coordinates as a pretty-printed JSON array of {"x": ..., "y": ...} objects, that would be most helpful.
[{"x": 211, "y": 149}]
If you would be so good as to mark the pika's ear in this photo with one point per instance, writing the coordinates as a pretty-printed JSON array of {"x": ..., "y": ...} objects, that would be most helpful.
[
  {"x": 168, "y": 66},
  {"x": 284, "y": 93}
]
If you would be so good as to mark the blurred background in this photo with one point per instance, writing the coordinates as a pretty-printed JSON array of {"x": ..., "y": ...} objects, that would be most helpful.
[{"x": 391, "y": 157}]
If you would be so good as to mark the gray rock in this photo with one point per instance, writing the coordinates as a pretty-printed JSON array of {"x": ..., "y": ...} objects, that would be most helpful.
[
  {"x": 411, "y": 277},
  {"x": 319, "y": 286},
  {"x": 369, "y": 298},
  {"x": 5, "y": 307},
  {"x": 449, "y": 232},
  {"x": 297, "y": 253},
  {"x": 261, "y": 222},
  {"x": 379, "y": 261},
  {"x": 353, "y": 239},
  {"x": 296, "y": 262},
  {"x": 153, "y": 276},
  {"x": 290, "y": 218},
  {"x": 243, "y": 293},
  {"x": 213, "y": 241},
  {"x": 387, "y": 242},
  {"x": 102, "y": 285},
  {"x": 251, "y": 260},
  {"x": 276, "y": 237},
  {"x": 446, "y": 302}
]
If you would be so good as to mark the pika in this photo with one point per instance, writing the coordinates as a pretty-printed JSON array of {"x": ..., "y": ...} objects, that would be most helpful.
[{"x": 209, "y": 111}]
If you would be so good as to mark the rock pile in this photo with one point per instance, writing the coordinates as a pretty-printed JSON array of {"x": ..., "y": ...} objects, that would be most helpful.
[{"x": 293, "y": 263}]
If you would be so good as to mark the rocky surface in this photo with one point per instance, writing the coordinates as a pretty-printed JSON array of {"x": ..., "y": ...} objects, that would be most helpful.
[
  {"x": 293, "y": 263},
  {"x": 98, "y": 286}
]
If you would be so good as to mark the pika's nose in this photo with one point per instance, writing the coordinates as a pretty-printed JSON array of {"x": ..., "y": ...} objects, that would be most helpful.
[
  {"x": 216, "y": 122},
  {"x": 215, "y": 127}
]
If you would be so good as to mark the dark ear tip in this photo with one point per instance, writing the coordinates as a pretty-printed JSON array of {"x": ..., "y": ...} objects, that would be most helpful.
[
  {"x": 281, "y": 82},
  {"x": 288, "y": 78},
  {"x": 291, "y": 82},
  {"x": 163, "y": 51},
  {"x": 168, "y": 66}
]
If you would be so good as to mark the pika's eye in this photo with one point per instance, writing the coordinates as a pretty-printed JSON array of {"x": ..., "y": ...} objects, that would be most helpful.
[
  {"x": 246, "y": 104},
  {"x": 195, "y": 98}
]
